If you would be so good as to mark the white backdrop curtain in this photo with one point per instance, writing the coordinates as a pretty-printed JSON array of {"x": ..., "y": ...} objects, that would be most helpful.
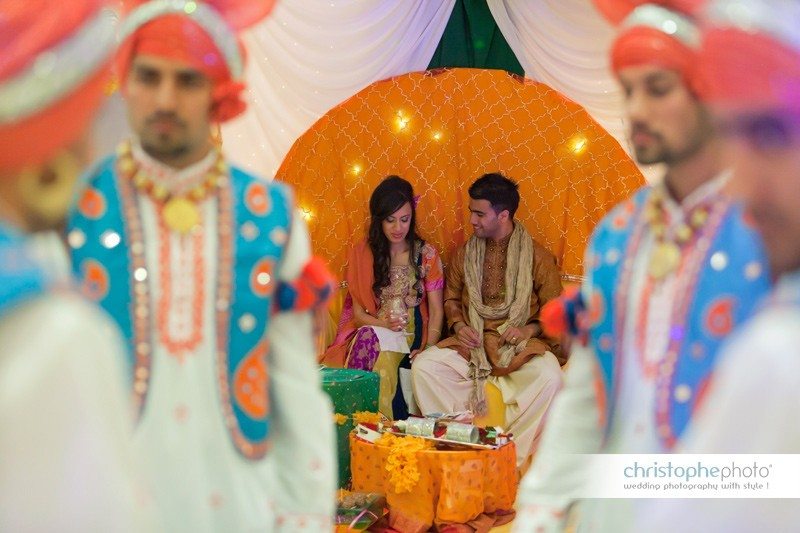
[
  {"x": 311, "y": 55},
  {"x": 565, "y": 44},
  {"x": 307, "y": 57}
]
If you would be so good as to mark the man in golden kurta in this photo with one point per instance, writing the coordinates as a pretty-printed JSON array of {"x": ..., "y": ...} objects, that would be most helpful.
[{"x": 496, "y": 285}]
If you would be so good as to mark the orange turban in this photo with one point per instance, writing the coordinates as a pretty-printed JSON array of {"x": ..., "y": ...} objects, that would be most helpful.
[
  {"x": 658, "y": 32},
  {"x": 200, "y": 34},
  {"x": 53, "y": 67},
  {"x": 751, "y": 54}
]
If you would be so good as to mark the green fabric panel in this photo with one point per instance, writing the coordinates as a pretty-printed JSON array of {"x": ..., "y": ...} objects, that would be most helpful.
[
  {"x": 350, "y": 391},
  {"x": 472, "y": 39}
]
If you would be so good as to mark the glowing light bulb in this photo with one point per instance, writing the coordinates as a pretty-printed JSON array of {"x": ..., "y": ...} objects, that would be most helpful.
[
  {"x": 307, "y": 214},
  {"x": 578, "y": 144},
  {"x": 402, "y": 121},
  {"x": 356, "y": 169},
  {"x": 437, "y": 135}
]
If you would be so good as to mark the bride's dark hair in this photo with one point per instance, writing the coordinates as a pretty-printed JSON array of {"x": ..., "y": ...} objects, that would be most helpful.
[{"x": 390, "y": 195}]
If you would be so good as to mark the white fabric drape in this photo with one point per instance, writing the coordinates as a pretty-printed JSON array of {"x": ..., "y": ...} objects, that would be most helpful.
[
  {"x": 311, "y": 55},
  {"x": 565, "y": 44}
]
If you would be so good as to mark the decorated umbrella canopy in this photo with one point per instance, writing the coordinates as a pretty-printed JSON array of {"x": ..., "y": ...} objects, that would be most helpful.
[{"x": 442, "y": 129}]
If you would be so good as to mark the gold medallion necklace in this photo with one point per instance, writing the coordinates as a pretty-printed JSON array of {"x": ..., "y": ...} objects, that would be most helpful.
[
  {"x": 666, "y": 255},
  {"x": 180, "y": 211}
]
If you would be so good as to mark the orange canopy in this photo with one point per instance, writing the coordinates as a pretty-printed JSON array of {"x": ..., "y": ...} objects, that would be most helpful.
[{"x": 443, "y": 129}]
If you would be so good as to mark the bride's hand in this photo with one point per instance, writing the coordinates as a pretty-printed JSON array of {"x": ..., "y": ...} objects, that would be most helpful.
[{"x": 396, "y": 323}]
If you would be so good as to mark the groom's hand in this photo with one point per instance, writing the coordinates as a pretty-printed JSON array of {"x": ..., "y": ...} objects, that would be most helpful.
[{"x": 467, "y": 335}]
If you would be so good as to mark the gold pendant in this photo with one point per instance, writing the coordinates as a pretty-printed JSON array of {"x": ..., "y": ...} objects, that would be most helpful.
[
  {"x": 666, "y": 258},
  {"x": 181, "y": 215}
]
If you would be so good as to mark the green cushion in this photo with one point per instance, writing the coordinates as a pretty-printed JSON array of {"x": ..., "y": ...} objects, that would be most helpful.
[{"x": 350, "y": 391}]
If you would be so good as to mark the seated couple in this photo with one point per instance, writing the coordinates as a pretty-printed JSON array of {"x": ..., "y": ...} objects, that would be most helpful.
[{"x": 496, "y": 285}]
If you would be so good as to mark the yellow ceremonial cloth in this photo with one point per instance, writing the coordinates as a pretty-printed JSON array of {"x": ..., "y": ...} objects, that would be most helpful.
[{"x": 454, "y": 486}]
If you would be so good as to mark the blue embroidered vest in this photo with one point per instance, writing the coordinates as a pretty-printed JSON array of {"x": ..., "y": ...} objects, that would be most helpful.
[
  {"x": 21, "y": 278},
  {"x": 728, "y": 278},
  {"x": 253, "y": 221}
]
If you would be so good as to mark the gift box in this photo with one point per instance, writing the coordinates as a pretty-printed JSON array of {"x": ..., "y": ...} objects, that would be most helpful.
[
  {"x": 357, "y": 511},
  {"x": 351, "y": 391}
]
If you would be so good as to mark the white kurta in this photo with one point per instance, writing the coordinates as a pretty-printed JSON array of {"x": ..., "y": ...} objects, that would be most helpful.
[
  {"x": 201, "y": 483},
  {"x": 66, "y": 462},
  {"x": 751, "y": 406},
  {"x": 573, "y": 426},
  {"x": 442, "y": 385}
]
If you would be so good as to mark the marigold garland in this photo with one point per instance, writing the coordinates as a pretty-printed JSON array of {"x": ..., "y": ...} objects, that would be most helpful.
[
  {"x": 402, "y": 463},
  {"x": 359, "y": 417},
  {"x": 366, "y": 417}
]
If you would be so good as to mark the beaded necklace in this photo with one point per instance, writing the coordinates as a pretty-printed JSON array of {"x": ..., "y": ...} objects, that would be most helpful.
[
  {"x": 181, "y": 214},
  {"x": 180, "y": 211},
  {"x": 674, "y": 253},
  {"x": 667, "y": 252}
]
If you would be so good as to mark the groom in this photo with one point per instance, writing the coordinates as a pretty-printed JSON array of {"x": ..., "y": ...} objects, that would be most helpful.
[{"x": 496, "y": 285}]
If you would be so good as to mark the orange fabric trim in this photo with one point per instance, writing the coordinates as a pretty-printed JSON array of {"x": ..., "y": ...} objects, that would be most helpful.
[{"x": 360, "y": 277}]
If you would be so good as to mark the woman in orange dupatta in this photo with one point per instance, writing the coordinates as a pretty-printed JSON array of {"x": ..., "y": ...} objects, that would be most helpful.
[{"x": 386, "y": 322}]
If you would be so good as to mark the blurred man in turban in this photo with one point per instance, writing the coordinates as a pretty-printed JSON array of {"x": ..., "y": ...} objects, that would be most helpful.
[
  {"x": 751, "y": 53},
  {"x": 669, "y": 274},
  {"x": 207, "y": 270},
  {"x": 65, "y": 439}
]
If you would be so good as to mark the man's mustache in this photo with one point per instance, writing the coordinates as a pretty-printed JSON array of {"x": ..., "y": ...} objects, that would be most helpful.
[
  {"x": 166, "y": 117},
  {"x": 637, "y": 127}
]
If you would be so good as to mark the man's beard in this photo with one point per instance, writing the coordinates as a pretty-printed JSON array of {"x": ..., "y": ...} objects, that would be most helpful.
[
  {"x": 165, "y": 151},
  {"x": 165, "y": 146},
  {"x": 661, "y": 153},
  {"x": 655, "y": 152},
  {"x": 648, "y": 157}
]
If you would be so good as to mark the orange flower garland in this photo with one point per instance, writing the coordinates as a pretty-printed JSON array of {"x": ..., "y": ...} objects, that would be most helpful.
[
  {"x": 359, "y": 417},
  {"x": 402, "y": 462},
  {"x": 366, "y": 417}
]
